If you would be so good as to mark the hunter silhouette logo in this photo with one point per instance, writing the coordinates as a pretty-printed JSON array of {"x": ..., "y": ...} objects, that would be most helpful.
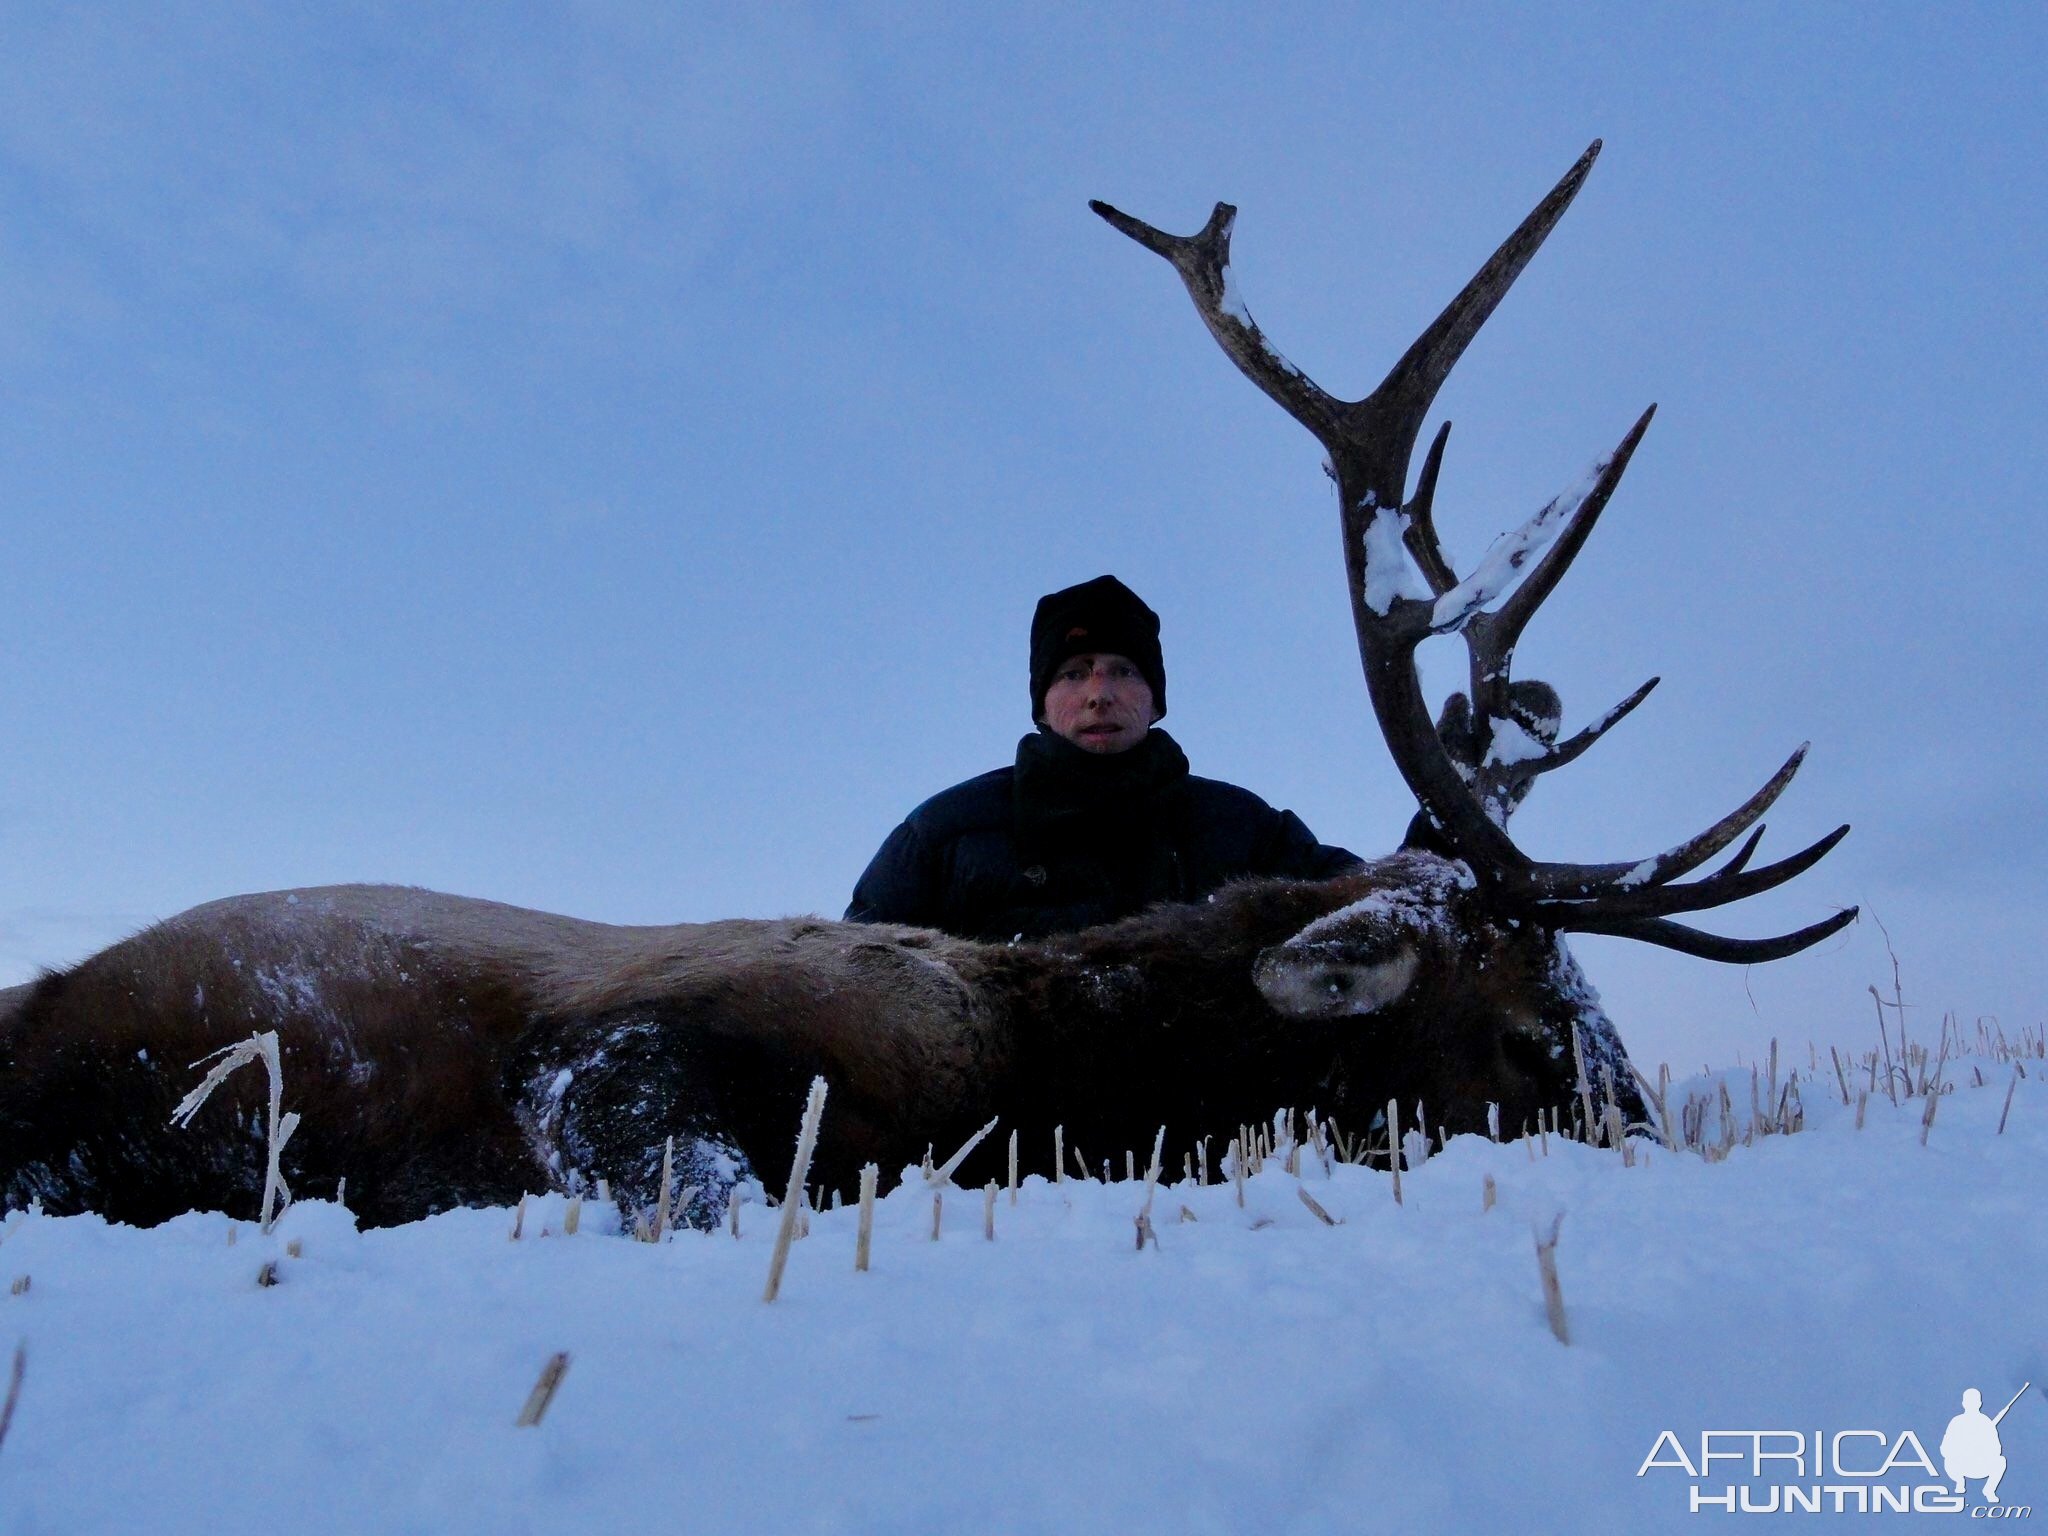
[
  {"x": 1970, "y": 1447},
  {"x": 1844, "y": 1471}
]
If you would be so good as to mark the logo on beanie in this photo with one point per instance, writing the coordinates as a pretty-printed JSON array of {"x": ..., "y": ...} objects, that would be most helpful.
[{"x": 1077, "y": 633}]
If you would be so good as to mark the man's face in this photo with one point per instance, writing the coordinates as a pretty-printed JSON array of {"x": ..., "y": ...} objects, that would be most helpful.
[{"x": 1100, "y": 702}]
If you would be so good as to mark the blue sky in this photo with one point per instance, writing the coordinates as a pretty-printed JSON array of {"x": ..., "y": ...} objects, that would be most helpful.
[{"x": 603, "y": 457}]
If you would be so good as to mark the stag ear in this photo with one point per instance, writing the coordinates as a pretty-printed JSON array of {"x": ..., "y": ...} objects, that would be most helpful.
[{"x": 1337, "y": 977}]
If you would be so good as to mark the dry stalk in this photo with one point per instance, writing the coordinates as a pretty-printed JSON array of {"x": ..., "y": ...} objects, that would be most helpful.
[
  {"x": 258, "y": 1047},
  {"x": 295, "y": 1249},
  {"x": 14, "y": 1376},
  {"x": 266, "y": 1277},
  {"x": 518, "y": 1220},
  {"x": 1862, "y": 1103},
  {"x": 1237, "y": 1170},
  {"x": 938, "y": 1178},
  {"x": 668, "y": 1159},
  {"x": 1659, "y": 1099},
  {"x": 19, "y": 1287},
  {"x": 800, "y": 1166},
  {"x": 1152, "y": 1171},
  {"x": 1314, "y": 1205},
  {"x": 1059, "y": 1154},
  {"x": 1927, "y": 1116},
  {"x": 1841, "y": 1077},
  {"x": 2008, "y": 1097},
  {"x": 1186, "y": 1214},
  {"x": 1553, "y": 1293},
  {"x": 988, "y": 1211},
  {"x": 1013, "y": 1167},
  {"x": 1486, "y": 1194},
  {"x": 572, "y": 1219},
  {"x": 1081, "y": 1163},
  {"x": 543, "y": 1391},
  {"x": 1891, "y": 1085},
  {"x": 1585, "y": 1088},
  {"x": 863, "y": 1241},
  {"x": 1202, "y": 1163},
  {"x": 1394, "y": 1146}
]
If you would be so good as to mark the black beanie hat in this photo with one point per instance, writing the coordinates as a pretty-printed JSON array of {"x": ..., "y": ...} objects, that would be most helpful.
[{"x": 1099, "y": 616}]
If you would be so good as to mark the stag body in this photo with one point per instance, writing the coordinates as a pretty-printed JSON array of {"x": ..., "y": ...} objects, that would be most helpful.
[{"x": 444, "y": 1051}]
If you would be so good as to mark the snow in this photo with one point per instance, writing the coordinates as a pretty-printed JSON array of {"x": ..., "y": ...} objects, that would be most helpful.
[
  {"x": 1256, "y": 1370},
  {"x": 1389, "y": 574},
  {"x": 1511, "y": 743},
  {"x": 1641, "y": 874},
  {"x": 1418, "y": 902},
  {"x": 1512, "y": 553},
  {"x": 1233, "y": 303}
]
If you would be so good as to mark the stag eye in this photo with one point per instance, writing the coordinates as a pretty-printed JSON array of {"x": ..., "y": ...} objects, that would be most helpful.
[{"x": 1311, "y": 986}]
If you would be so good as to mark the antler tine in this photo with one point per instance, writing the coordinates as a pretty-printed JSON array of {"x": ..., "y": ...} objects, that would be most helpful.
[
  {"x": 1742, "y": 854},
  {"x": 1203, "y": 262},
  {"x": 1545, "y": 545},
  {"x": 1712, "y": 946},
  {"x": 1550, "y": 539},
  {"x": 1575, "y": 745},
  {"x": 1393, "y": 412},
  {"x": 1422, "y": 541},
  {"x": 1505, "y": 626},
  {"x": 1732, "y": 883},
  {"x": 1583, "y": 882}
]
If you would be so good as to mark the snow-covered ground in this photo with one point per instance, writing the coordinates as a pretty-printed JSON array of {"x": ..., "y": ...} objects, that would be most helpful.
[{"x": 1257, "y": 1371}]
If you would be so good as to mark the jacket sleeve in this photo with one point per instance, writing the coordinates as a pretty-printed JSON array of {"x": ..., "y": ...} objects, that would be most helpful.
[
  {"x": 900, "y": 884},
  {"x": 1290, "y": 849}
]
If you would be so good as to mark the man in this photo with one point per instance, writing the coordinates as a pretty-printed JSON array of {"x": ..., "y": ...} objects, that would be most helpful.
[{"x": 1099, "y": 816}]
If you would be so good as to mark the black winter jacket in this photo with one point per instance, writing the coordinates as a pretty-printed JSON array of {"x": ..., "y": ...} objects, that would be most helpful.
[{"x": 1066, "y": 839}]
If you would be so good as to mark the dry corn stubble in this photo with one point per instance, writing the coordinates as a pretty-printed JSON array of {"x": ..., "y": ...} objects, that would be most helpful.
[
  {"x": 543, "y": 1392},
  {"x": 800, "y": 1166},
  {"x": 15, "y": 1375},
  {"x": 1553, "y": 1293},
  {"x": 863, "y": 1241}
]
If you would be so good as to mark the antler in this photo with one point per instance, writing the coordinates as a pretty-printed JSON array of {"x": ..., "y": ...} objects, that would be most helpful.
[{"x": 1403, "y": 590}]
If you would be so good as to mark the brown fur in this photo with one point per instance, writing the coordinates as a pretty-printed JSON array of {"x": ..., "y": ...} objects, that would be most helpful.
[{"x": 426, "y": 1039}]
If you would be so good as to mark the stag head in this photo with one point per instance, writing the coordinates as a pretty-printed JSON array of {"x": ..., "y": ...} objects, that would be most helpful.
[{"x": 1470, "y": 768}]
